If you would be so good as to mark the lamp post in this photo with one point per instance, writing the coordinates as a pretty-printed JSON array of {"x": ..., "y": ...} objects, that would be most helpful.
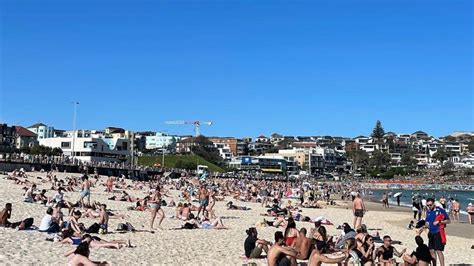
[{"x": 74, "y": 129}]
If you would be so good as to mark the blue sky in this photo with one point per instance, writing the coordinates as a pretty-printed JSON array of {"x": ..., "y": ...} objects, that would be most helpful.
[{"x": 252, "y": 67}]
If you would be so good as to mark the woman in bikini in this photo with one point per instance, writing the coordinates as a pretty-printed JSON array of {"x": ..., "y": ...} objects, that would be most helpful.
[
  {"x": 155, "y": 206},
  {"x": 291, "y": 233}
]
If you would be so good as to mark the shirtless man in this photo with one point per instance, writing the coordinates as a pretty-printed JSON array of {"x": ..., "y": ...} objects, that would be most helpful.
[
  {"x": 303, "y": 245},
  {"x": 317, "y": 257},
  {"x": 85, "y": 191},
  {"x": 103, "y": 218},
  {"x": 203, "y": 199},
  {"x": 279, "y": 255},
  {"x": 358, "y": 209}
]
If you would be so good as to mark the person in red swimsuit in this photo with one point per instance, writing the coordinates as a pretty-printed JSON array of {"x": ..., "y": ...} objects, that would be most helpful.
[{"x": 291, "y": 233}]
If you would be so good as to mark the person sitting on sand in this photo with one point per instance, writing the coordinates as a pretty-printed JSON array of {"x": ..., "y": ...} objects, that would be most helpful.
[
  {"x": 367, "y": 248},
  {"x": 103, "y": 218},
  {"x": 280, "y": 255},
  {"x": 49, "y": 223},
  {"x": 29, "y": 195},
  {"x": 317, "y": 257},
  {"x": 347, "y": 232},
  {"x": 5, "y": 215},
  {"x": 291, "y": 233},
  {"x": 421, "y": 256},
  {"x": 303, "y": 245},
  {"x": 386, "y": 251},
  {"x": 253, "y": 246},
  {"x": 58, "y": 198},
  {"x": 41, "y": 197},
  {"x": 74, "y": 223}
]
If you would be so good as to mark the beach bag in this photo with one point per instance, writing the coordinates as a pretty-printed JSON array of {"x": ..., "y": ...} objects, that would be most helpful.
[
  {"x": 27, "y": 223},
  {"x": 93, "y": 229},
  {"x": 130, "y": 227},
  {"x": 121, "y": 227}
]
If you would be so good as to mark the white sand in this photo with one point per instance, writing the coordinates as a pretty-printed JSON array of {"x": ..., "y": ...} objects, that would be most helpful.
[{"x": 181, "y": 247}]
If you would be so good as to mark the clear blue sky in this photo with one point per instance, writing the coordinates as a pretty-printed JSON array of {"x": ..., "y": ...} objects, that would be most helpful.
[{"x": 253, "y": 67}]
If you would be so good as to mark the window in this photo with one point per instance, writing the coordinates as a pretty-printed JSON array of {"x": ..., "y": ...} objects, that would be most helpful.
[
  {"x": 65, "y": 144},
  {"x": 90, "y": 144}
]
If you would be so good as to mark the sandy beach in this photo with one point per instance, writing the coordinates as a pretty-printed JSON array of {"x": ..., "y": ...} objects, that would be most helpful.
[{"x": 193, "y": 247}]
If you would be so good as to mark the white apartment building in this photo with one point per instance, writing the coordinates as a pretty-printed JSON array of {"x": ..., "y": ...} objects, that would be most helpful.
[
  {"x": 159, "y": 140},
  {"x": 42, "y": 131},
  {"x": 224, "y": 150},
  {"x": 91, "y": 147}
]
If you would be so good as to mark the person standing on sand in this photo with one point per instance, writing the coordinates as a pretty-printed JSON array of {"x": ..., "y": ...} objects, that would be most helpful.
[
  {"x": 436, "y": 218},
  {"x": 384, "y": 200},
  {"x": 155, "y": 206},
  {"x": 85, "y": 191},
  {"x": 470, "y": 212},
  {"x": 279, "y": 255},
  {"x": 110, "y": 184},
  {"x": 398, "y": 200},
  {"x": 456, "y": 209},
  {"x": 203, "y": 199},
  {"x": 358, "y": 209}
]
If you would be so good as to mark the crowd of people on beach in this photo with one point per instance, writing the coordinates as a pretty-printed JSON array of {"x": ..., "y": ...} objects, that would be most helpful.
[{"x": 284, "y": 202}]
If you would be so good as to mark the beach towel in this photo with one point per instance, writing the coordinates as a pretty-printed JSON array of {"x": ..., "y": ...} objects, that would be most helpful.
[{"x": 442, "y": 233}]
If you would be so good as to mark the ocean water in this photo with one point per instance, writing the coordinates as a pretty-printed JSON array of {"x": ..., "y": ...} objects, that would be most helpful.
[{"x": 464, "y": 197}]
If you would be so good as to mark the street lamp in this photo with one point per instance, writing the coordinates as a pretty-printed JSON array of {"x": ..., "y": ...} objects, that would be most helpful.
[{"x": 74, "y": 128}]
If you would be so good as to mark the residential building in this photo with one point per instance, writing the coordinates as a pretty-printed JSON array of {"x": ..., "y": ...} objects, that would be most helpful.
[
  {"x": 419, "y": 135},
  {"x": 159, "y": 140},
  {"x": 24, "y": 138},
  {"x": 91, "y": 146},
  {"x": 7, "y": 137},
  {"x": 42, "y": 131}
]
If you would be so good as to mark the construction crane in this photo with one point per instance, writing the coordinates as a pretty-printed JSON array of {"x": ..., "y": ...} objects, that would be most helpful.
[{"x": 197, "y": 124}]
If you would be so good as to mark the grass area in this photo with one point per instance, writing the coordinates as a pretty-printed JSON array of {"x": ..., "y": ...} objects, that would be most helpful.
[{"x": 170, "y": 161}]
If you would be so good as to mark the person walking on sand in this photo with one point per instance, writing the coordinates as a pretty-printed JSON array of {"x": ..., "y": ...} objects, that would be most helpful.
[
  {"x": 436, "y": 219},
  {"x": 85, "y": 191},
  {"x": 358, "y": 209},
  {"x": 155, "y": 206}
]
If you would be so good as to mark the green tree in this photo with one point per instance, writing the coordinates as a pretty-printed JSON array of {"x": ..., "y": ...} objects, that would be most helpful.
[
  {"x": 470, "y": 145},
  {"x": 380, "y": 161},
  {"x": 57, "y": 152},
  {"x": 447, "y": 167},
  {"x": 440, "y": 155},
  {"x": 378, "y": 131},
  {"x": 360, "y": 158},
  {"x": 409, "y": 161},
  {"x": 206, "y": 150}
]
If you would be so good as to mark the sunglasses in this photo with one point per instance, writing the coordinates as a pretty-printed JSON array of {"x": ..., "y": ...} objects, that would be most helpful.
[{"x": 429, "y": 205}]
